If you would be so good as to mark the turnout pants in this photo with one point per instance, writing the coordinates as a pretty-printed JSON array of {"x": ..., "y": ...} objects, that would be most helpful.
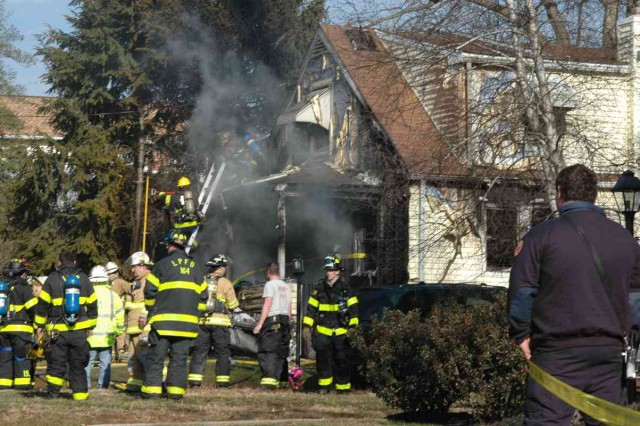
[
  {"x": 273, "y": 348},
  {"x": 137, "y": 353},
  {"x": 217, "y": 336},
  {"x": 15, "y": 368},
  {"x": 332, "y": 361},
  {"x": 70, "y": 349},
  {"x": 597, "y": 370},
  {"x": 178, "y": 348}
]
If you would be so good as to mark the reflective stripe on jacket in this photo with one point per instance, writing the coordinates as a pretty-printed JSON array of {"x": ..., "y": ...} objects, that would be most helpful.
[
  {"x": 110, "y": 318},
  {"x": 174, "y": 292},
  {"x": 323, "y": 308},
  {"x": 227, "y": 297},
  {"x": 134, "y": 305},
  {"x": 50, "y": 308},
  {"x": 22, "y": 308}
]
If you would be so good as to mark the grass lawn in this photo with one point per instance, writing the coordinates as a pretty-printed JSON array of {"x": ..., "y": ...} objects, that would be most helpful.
[{"x": 241, "y": 403}]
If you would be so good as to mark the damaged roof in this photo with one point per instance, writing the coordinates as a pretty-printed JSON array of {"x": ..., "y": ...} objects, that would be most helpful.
[{"x": 381, "y": 86}]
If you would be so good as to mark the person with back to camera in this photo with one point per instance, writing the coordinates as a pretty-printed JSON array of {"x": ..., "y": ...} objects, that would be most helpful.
[
  {"x": 569, "y": 306},
  {"x": 274, "y": 329}
]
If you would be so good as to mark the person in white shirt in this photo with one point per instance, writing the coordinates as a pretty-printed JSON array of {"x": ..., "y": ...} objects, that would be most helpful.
[{"x": 274, "y": 330}]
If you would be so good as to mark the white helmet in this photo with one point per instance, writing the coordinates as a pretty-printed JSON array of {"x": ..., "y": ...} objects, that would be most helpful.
[
  {"x": 139, "y": 258},
  {"x": 111, "y": 267},
  {"x": 98, "y": 274}
]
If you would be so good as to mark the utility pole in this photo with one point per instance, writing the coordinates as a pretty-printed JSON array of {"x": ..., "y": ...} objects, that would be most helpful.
[{"x": 135, "y": 242}]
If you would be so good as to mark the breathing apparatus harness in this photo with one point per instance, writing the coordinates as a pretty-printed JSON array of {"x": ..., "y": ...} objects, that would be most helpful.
[
  {"x": 213, "y": 306},
  {"x": 4, "y": 302}
]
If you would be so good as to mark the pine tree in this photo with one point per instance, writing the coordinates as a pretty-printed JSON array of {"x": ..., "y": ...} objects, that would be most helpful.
[{"x": 132, "y": 71}]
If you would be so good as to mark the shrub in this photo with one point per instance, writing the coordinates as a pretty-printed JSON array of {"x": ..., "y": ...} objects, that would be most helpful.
[{"x": 454, "y": 354}]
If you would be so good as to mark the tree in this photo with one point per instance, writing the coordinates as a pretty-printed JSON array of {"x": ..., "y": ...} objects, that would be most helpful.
[
  {"x": 133, "y": 81},
  {"x": 8, "y": 120},
  {"x": 8, "y": 37}
]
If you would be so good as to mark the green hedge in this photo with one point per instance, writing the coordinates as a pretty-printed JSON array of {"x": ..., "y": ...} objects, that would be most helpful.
[{"x": 456, "y": 354}]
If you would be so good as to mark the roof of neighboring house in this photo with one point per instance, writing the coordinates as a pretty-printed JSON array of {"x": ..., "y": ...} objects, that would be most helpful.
[
  {"x": 396, "y": 107},
  {"x": 32, "y": 123},
  {"x": 550, "y": 51}
]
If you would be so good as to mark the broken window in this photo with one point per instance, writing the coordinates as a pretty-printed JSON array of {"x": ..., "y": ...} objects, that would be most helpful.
[
  {"x": 361, "y": 40},
  {"x": 502, "y": 233},
  {"x": 509, "y": 214}
]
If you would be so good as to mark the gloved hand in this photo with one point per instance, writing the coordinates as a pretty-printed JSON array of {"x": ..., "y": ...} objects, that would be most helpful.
[{"x": 306, "y": 333}]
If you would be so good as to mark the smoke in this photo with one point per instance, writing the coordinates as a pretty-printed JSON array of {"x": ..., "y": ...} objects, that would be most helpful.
[{"x": 239, "y": 97}]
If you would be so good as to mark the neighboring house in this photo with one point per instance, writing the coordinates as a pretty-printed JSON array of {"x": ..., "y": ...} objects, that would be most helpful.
[
  {"x": 451, "y": 184},
  {"x": 22, "y": 120}
]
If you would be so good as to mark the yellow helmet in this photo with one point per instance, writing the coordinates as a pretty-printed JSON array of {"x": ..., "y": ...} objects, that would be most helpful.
[{"x": 183, "y": 181}]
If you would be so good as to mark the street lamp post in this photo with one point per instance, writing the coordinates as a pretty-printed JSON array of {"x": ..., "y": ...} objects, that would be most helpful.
[
  {"x": 626, "y": 192},
  {"x": 298, "y": 271}
]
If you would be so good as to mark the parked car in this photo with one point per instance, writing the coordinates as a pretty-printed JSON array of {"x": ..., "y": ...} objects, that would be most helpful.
[{"x": 406, "y": 297}]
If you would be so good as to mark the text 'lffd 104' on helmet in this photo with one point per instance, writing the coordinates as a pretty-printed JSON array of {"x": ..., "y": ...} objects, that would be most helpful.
[
  {"x": 332, "y": 263},
  {"x": 98, "y": 274},
  {"x": 139, "y": 258},
  {"x": 111, "y": 267},
  {"x": 183, "y": 181},
  {"x": 217, "y": 261}
]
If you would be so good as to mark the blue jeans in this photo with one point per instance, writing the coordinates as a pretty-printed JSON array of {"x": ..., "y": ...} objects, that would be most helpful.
[{"x": 104, "y": 375}]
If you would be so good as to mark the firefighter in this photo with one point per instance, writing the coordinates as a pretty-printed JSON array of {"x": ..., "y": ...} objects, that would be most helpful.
[
  {"x": 110, "y": 324},
  {"x": 214, "y": 325},
  {"x": 180, "y": 208},
  {"x": 16, "y": 328},
  {"x": 121, "y": 287},
  {"x": 175, "y": 296},
  {"x": 136, "y": 319},
  {"x": 68, "y": 306},
  {"x": 274, "y": 329},
  {"x": 332, "y": 311}
]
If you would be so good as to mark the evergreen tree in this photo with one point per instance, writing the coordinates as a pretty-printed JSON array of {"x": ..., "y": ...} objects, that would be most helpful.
[{"x": 132, "y": 71}]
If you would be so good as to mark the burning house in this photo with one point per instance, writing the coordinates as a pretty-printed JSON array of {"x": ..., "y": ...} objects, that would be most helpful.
[{"x": 411, "y": 172}]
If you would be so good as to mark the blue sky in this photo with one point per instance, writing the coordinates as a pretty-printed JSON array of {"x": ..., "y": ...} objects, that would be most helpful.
[{"x": 33, "y": 17}]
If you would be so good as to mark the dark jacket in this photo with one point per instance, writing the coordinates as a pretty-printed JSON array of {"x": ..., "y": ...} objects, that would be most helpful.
[
  {"x": 50, "y": 308},
  {"x": 175, "y": 294},
  {"x": 556, "y": 295},
  {"x": 323, "y": 308},
  {"x": 22, "y": 308}
]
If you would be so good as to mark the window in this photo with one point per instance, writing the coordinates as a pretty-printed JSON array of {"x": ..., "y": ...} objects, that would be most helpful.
[{"x": 502, "y": 232}]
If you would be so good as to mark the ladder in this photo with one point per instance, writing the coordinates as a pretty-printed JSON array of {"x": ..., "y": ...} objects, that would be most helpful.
[{"x": 203, "y": 203}]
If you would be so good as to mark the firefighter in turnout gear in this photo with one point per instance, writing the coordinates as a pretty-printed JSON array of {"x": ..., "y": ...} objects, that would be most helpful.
[
  {"x": 175, "y": 296},
  {"x": 332, "y": 311},
  {"x": 136, "y": 312},
  {"x": 17, "y": 314},
  {"x": 121, "y": 287},
  {"x": 68, "y": 307},
  {"x": 274, "y": 330},
  {"x": 180, "y": 208},
  {"x": 214, "y": 325}
]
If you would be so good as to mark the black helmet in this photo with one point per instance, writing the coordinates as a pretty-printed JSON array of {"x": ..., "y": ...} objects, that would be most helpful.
[
  {"x": 16, "y": 266},
  {"x": 217, "y": 261},
  {"x": 176, "y": 237}
]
